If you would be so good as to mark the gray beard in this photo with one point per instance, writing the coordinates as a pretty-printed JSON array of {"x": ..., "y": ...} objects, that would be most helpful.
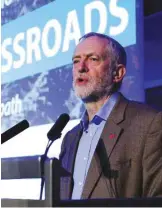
[{"x": 95, "y": 89}]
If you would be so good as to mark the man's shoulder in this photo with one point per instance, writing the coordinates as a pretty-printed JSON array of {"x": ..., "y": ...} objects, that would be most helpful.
[
  {"x": 71, "y": 134},
  {"x": 142, "y": 113},
  {"x": 70, "y": 138},
  {"x": 75, "y": 129},
  {"x": 137, "y": 106},
  {"x": 142, "y": 108},
  {"x": 135, "y": 109}
]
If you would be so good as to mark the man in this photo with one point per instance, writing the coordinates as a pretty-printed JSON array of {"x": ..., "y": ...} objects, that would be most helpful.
[{"x": 116, "y": 150}]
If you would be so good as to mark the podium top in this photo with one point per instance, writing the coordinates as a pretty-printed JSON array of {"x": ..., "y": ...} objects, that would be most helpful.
[{"x": 21, "y": 167}]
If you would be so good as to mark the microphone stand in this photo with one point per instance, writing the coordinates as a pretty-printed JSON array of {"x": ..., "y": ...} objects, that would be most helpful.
[{"x": 43, "y": 159}]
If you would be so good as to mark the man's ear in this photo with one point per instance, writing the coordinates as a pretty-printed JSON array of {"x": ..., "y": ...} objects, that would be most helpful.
[{"x": 119, "y": 73}]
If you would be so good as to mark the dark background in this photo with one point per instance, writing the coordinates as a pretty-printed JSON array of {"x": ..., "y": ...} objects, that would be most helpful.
[
  {"x": 152, "y": 55},
  {"x": 152, "y": 6}
]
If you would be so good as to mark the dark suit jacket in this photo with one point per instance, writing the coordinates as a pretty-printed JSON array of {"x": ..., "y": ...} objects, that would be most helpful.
[{"x": 131, "y": 142}]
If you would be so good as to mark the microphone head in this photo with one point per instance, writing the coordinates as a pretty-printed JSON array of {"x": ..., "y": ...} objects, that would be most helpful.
[
  {"x": 55, "y": 131},
  {"x": 13, "y": 131}
]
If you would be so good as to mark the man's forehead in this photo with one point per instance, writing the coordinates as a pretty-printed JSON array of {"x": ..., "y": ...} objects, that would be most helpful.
[{"x": 91, "y": 44}]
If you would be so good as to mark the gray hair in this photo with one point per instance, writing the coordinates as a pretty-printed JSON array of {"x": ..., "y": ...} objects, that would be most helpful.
[{"x": 116, "y": 52}]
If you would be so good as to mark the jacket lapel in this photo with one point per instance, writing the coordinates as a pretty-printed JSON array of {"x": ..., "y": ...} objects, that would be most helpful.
[{"x": 110, "y": 136}]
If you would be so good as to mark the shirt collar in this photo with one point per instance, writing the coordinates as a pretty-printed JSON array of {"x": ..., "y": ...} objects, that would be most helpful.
[{"x": 102, "y": 114}]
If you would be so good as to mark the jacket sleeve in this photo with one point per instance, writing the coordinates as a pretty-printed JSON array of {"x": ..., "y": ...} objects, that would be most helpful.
[{"x": 152, "y": 159}]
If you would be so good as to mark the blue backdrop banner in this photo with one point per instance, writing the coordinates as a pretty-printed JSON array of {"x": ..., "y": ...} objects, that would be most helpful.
[{"x": 38, "y": 40}]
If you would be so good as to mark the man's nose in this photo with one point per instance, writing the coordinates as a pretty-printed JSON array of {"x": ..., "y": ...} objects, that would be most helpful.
[{"x": 83, "y": 66}]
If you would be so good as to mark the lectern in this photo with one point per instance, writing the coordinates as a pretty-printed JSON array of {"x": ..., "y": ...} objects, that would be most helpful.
[{"x": 30, "y": 167}]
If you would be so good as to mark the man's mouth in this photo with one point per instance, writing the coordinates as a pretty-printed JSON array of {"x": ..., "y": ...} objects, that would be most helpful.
[{"x": 81, "y": 81}]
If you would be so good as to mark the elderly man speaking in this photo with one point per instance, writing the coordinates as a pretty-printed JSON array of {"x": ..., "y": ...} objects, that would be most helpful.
[{"x": 116, "y": 150}]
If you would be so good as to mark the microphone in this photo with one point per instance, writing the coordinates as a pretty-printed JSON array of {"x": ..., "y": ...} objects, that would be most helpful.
[
  {"x": 55, "y": 131},
  {"x": 13, "y": 131},
  {"x": 53, "y": 134}
]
